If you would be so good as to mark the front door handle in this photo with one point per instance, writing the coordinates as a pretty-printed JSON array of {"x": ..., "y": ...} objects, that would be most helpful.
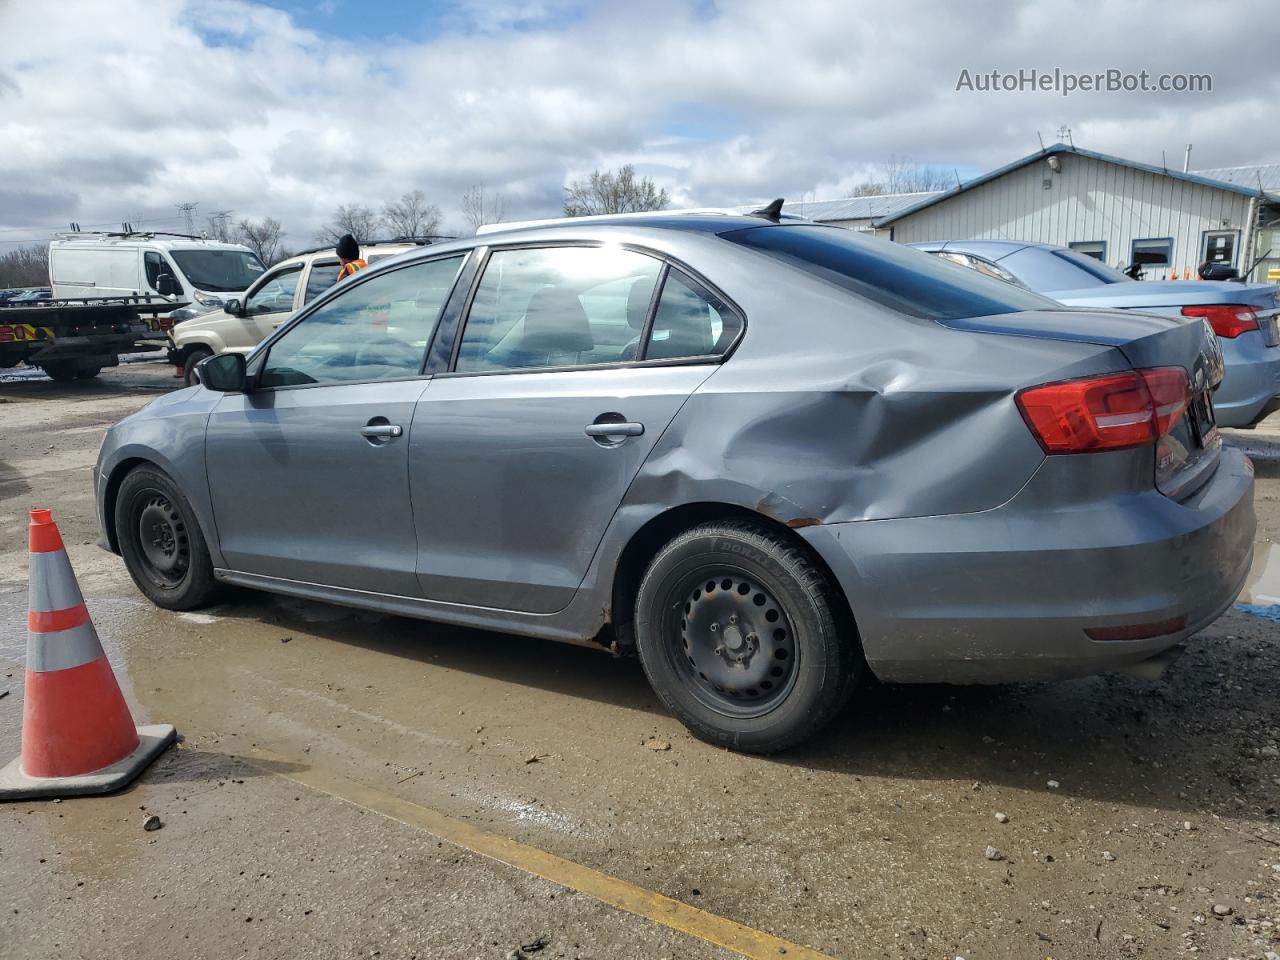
[
  {"x": 615, "y": 430},
  {"x": 382, "y": 431}
]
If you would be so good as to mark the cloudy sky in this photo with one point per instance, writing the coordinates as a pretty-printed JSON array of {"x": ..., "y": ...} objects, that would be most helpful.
[{"x": 122, "y": 109}]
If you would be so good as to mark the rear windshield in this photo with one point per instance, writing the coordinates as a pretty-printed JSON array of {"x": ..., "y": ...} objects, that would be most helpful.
[
  {"x": 1045, "y": 269},
  {"x": 908, "y": 281},
  {"x": 219, "y": 271}
]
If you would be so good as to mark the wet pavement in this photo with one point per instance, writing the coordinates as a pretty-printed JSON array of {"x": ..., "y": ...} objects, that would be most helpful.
[{"x": 1131, "y": 809}]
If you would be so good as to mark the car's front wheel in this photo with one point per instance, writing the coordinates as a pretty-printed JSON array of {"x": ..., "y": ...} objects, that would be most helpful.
[
  {"x": 161, "y": 542},
  {"x": 189, "y": 372},
  {"x": 743, "y": 636}
]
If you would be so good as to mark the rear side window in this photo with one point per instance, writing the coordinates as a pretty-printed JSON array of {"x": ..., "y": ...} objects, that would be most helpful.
[
  {"x": 544, "y": 307},
  {"x": 907, "y": 281},
  {"x": 324, "y": 274},
  {"x": 690, "y": 321}
]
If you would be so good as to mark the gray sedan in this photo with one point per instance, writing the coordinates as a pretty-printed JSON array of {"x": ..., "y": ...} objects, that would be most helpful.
[
  {"x": 1243, "y": 315},
  {"x": 767, "y": 457}
]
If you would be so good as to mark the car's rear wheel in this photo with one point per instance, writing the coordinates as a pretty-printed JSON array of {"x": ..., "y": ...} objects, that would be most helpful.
[
  {"x": 743, "y": 636},
  {"x": 189, "y": 372},
  {"x": 161, "y": 542}
]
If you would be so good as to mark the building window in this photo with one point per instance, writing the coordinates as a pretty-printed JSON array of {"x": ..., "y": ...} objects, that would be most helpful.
[
  {"x": 1219, "y": 246},
  {"x": 1091, "y": 248},
  {"x": 1153, "y": 252}
]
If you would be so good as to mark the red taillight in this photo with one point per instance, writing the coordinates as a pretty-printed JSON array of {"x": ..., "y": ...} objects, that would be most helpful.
[
  {"x": 1110, "y": 412},
  {"x": 1228, "y": 320}
]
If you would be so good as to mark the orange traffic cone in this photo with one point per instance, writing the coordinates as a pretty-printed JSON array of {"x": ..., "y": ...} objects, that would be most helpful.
[{"x": 77, "y": 734}]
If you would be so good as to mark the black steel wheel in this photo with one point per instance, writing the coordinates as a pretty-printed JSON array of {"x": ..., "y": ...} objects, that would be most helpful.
[
  {"x": 737, "y": 649},
  {"x": 161, "y": 542},
  {"x": 744, "y": 636}
]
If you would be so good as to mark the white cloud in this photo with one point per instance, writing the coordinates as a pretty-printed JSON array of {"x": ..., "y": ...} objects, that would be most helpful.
[{"x": 124, "y": 109}]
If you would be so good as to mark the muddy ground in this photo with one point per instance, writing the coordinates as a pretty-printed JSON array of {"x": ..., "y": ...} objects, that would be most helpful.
[{"x": 1141, "y": 817}]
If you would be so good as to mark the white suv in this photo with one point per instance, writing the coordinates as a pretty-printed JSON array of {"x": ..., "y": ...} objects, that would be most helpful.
[{"x": 242, "y": 324}]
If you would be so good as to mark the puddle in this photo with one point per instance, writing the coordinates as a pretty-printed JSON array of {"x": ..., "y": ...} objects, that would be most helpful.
[{"x": 1261, "y": 593}]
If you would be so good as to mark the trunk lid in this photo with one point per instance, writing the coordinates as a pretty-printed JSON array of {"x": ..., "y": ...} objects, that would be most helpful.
[
  {"x": 1185, "y": 457},
  {"x": 1170, "y": 293}
]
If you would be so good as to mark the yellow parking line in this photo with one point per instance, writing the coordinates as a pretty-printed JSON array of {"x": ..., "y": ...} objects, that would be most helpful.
[{"x": 711, "y": 927}]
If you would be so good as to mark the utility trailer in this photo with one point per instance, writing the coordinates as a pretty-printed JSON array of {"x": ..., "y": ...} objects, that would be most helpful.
[{"x": 73, "y": 339}]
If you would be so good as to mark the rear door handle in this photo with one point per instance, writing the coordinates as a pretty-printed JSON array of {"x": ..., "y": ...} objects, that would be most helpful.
[
  {"x": 386, "y": 431},
  {"x": 615, "y": 430}
]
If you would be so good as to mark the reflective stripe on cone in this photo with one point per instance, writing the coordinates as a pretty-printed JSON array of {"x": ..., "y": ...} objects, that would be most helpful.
[{"x": 74, "y": 718}]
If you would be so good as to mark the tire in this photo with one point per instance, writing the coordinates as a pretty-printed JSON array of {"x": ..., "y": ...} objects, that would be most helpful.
[
  {"x": 171, "y": 565},
  {"x": 757, "y": 671},
  {"x": 63, "y": 371},
  {"x": 87, "y": 373},
  {"x": 190, "y": 375}
]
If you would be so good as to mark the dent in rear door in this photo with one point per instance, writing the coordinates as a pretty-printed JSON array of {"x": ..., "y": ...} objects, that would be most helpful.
[{"x": 510, "y": 495}]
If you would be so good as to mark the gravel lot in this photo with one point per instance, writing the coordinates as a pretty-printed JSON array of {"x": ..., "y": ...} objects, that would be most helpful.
[{"x": 1097, "y": 818}]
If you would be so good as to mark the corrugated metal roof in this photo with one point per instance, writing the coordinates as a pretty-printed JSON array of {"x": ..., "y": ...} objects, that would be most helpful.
[
  {"x": 1266, "y": 174},
  {"x": 1198, "y": 178}
]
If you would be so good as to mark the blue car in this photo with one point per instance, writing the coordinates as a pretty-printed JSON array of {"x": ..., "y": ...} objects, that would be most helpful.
[{"x": 1243, "y": 315}]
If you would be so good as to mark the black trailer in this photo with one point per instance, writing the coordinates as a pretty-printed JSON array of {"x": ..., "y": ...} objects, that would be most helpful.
[{"x": 74, "y": 339}]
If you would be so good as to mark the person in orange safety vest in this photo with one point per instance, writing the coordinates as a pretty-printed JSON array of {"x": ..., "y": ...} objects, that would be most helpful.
[{"x": 349, "y": 253}]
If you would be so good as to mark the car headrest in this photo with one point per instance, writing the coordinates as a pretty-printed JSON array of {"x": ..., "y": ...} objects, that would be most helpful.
[
  {"x": 555, "y": 322},
  {"x": 638, "y": 302}
]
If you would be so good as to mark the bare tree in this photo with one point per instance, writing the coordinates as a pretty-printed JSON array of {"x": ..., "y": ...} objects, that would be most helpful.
[
  {"x": 25, "y": 267},
  {"x": 411, "y": 216},
  {"x": 353, "y": 218},
  {"x": 904, "y": 175},
  {"x": 479, "y": 209},
  {"x": 609, "y": 192},
  {"x": 262, "y": 237}
]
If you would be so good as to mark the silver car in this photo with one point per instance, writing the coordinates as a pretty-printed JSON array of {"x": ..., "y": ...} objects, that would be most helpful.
[
  {"x": 767, "y": 457},
  {"x": 1243, "y": 315}
]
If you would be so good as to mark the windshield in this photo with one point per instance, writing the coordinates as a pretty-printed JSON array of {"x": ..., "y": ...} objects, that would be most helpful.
[
  {"x": 219, "y": 271},
  {"x": 909, "y": 281}
]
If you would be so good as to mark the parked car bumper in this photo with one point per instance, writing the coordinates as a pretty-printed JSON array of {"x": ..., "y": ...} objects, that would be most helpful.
[
  {"x": 1007, "y": 594},
  {"x": 1251, "y": 381}
]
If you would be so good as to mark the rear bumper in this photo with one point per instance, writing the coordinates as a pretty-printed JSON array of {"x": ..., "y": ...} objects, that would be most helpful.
[
  {"x": 1007, "y": 594},
  {"x": 1251, "y": 381}
]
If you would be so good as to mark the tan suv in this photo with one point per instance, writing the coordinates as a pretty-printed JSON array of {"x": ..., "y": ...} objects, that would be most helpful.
[{"x": 242, "y": 324}]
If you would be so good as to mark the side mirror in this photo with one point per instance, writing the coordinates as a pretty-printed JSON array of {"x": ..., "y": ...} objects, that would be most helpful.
[
  {"x": 224, "y": 372},
  {"x": 167, "y": 286},
  {"x": 233, "y": 308}
]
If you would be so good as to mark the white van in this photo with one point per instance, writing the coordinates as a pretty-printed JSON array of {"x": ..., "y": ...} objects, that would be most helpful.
[{"x": 206, "y": 273}]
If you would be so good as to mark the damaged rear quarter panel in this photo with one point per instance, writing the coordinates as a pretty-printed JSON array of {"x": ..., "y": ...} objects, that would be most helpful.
[{"x": 834, "y": 410}]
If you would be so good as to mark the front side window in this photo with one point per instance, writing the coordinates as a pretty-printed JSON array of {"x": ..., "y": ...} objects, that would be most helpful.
[
  {"x": 690, "y": 321},
  {"x": 276, "y": 293},
  {"x": 155, "y": 265},
  {"x": 1153, "y": 253},
  {"x": 324, "y": 274},
  {"x": 375, "y": 330},
  {"x": 899, "y": 278},
  {"x": 557, "y": 307}
]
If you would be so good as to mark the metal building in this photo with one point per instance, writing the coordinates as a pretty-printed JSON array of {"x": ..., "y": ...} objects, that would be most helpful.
[{"x": 1117, "y": 210}]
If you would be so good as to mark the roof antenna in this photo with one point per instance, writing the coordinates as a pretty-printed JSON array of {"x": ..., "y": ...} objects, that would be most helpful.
[
  {"x": 957, "y": 173},
  {"x": 770, "y": 211},
  {"x": 1041, "y": 139}
]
